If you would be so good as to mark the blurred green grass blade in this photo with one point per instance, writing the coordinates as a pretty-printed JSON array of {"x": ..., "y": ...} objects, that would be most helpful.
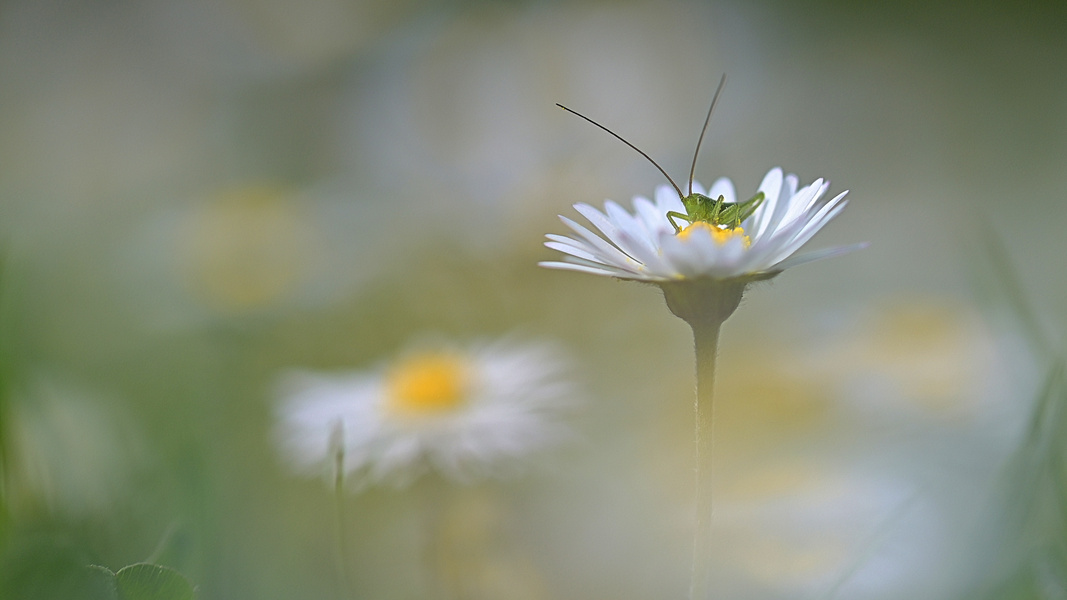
[
  {"x": 41, "y": 569},
  {"x": 997, "y": 280},
  {"x": 5, "y": 451},
  {"x": 873, "y": 544},
  {"x": 1028, "y": 551}
]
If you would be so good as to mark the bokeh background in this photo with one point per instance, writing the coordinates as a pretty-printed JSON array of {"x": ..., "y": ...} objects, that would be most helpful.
[{"x": 198, "y": 195}]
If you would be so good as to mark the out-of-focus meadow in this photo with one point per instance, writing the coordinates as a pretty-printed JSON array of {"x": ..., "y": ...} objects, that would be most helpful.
[{"x": 196, "y": 197}]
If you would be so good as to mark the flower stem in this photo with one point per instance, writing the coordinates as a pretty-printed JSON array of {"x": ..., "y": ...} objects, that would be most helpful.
[
  {"x": 704, "y": 304},
  {"x": 339, "y": 504},
  {"x": 437, "y": 495},
  {"x": 706, "y": 341}
]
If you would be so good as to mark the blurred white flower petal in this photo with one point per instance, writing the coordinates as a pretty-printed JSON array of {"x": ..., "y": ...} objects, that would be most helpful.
[{"x": 467, "y": 413}]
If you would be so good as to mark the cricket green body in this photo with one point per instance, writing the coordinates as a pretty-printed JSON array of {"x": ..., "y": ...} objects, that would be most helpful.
[
  {"x": 716, "y": 212},
  {"x": 698, "y": 208}
]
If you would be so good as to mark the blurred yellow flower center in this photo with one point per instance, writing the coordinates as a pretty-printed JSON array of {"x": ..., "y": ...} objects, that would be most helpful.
[
  {"x": 721, "y": 235},
  {"x": 427, "y": 383}
]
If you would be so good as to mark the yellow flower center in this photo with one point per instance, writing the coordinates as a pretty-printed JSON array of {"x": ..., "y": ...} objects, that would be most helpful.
[
  {"x": 721, "y": 235},
  {"x": 427, "y": 383}
]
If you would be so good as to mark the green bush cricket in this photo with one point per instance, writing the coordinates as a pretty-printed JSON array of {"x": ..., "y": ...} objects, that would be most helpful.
[{"x": 698, "y": 207}]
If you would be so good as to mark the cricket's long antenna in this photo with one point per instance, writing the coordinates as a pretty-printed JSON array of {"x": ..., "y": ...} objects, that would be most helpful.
[
  {"x": 619, "y": 137},
  {"x": 707, "y": 120}
]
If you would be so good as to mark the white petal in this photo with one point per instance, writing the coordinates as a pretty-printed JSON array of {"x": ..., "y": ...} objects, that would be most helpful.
[
  {"x": 573, "y": 243},
  {"x": 608, "y": 253},
  {"x": 567, "y": 249},
  {"x": 630, "y": 225},
  {"x": 723, "y": 187},
  {"x": 764, "y": 252},
  {"x": 566, "y": 266},
  {"x": 817, "y": 220},
  {"x": 624, "y": 232},
  {"x": 628, "y": 234},
  {"x": 807, "y": 257},
  {"x": 667, "y": 200},
  {"x": 801, "y": 201},
  {"x": 808, "y": 232},
  {"x": 397, "y": 454},
  {"x": 597, "y": 218},
  {"x": 691, "y": 256},
  {"x": 730, "y": 254},
  {"x": 771, "y": 186},
  {"x": 644, "y": 252},
  {"x": 789, "y": 189},
  {"x": 567, "y": 240},
  {"x": 789, "y": 185},
  {"x": 653, "y": 220}
]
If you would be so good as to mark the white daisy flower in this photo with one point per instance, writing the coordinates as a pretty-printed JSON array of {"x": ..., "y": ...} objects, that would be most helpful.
[
  {"x": 647, "y": 245},
  {"x": 467, "y": 413}
]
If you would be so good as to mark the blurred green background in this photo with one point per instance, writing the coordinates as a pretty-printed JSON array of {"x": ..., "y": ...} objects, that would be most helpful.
[{"x": 197, "y": 195}]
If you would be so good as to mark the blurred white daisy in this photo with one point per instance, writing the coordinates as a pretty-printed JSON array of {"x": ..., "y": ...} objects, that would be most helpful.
[
  {"x": 468, "y": 413},
  {"x": 646, "y": 245}
]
